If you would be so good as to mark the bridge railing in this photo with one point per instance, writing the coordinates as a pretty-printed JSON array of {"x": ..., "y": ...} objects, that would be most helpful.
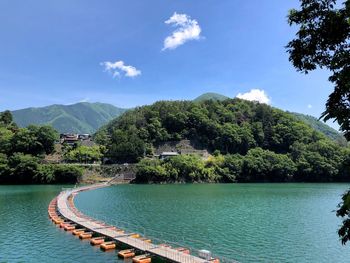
[
  {"x": 158, "y": 237},
  {"x": 173, "y": 240}
]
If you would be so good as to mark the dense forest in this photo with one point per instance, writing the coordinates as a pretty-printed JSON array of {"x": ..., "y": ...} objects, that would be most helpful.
[
  {"x": 309, "y": 120},
  {"x": 22, "y": 151},
  {"x": 321, "y": 127},
  {"x": 249, "y": 142},
  {"x": 82, "y": 117}
]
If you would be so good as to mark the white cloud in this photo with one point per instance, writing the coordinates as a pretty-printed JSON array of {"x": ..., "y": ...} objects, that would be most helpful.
[
  {"x": 118, "y": 67},
  {"x": 255, "y": 95},
  {"x": 84, "y": 100},
  {"x": 188, "y": 29},
  {"x": 309, "y": 106}
]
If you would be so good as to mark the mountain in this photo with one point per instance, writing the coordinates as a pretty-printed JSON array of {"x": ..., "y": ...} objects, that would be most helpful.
[
  {"x": 309, "y": 120},
  {"x": 210, "y": 96},
  {"x": 320, "y": 126},
  {"x": 248, "y": 142},
  {"x": 87, "y": 117},
  {"x": 83, "y": 117}
]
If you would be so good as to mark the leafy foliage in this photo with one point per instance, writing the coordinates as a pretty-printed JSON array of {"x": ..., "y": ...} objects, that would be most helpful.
[
  {"x": 34, "y": 140},
  {"x": 184, "y": 168},
  {"x": 230, "y": 126},
  {"x": 67, "y": 174},
  {"x": 257, "y": 166},
  {"x": 321, "y": 127},
  {"x": 21, "y": 152},
  {"x": 265, "y": 166},
  {"x": 344, "y": 212},
  {"x": 84, "y": 154},
  {"x": 323, "y": 41},
  {"x": 257, "y": 143},
  {"x": 6, "y": 118},
  {"x": 309, "y": 120}
]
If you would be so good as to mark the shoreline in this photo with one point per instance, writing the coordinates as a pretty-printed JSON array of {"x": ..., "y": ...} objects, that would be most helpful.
[{"x": 178, "y": 183}]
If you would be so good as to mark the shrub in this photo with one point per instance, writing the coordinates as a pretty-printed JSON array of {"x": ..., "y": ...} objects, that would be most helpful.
[{"x": 67, "y": 174}]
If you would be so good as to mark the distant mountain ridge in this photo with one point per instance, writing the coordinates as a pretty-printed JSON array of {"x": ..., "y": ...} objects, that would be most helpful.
[
  {"x": 210, "y": 96},
  {"x": 309, "y": 120},
  {"x": 83, "y": 117},
  {"x": 320, "y": 126}
]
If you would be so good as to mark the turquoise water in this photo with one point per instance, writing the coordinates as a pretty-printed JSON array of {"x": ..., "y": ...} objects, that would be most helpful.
[
  {"x": 247, "y": 222},
  {"x": 27, "y": 234}
]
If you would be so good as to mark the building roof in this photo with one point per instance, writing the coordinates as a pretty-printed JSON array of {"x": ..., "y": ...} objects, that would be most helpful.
[
  {"x": 169, "y": 153},
  {"x": 71, "y": 139}
]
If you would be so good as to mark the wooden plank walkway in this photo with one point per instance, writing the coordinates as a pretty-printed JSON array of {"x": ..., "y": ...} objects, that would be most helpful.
[{"x": 71, "y": 214}]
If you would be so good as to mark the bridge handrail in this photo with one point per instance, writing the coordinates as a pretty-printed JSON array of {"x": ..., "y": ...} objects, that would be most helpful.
[{"x": 130, "y": 228}]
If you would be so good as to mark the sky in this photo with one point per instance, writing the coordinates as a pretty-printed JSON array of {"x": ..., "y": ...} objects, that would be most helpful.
[{"x": 131, "y": 53}]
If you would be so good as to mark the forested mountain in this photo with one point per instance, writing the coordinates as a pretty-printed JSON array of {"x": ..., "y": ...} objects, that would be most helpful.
[
  {"x": 22, "y": 152},
  {"x": 210, "y": 96},
  {"x": 81, "y": 117},
  {"x": 251, "y": 142},
  {"x": 87, "y": 117},
  {"x": 310, "y": 120},
  {"x": 321, "y": 127}
]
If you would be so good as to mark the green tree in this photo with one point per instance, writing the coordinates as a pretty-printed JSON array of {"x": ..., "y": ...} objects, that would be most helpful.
[
  {"x": 46, "y": 136},
  {"x": 344, "y": 206},
  {"x": 234, "y": 164},
  {"x": 323, "y": 41},
  {"x": 24, "y": 168},
  {"x": 5, "y": 140},
  {"x": 67, "y": 174},
  {"x": 101, "y": 137},
  {"x": 264, "y": 165},
  {"x": 189, "y": 168},
  {"x": 34, "y": 140},
  {"x": 6, "y": 118},
  {"x": 345, "y": 166},
  {"x": 84, "y": 154},
  {"x": 149, "y": 170},
  {"x": 25, "y": 141},
  {"x": 4, "y": 169},
  {"x": 126, "y": 146},
  {"x": 344, "y": 212},
  {"x": 21, "y": 152},
  {"x": 46, "y": 174}
]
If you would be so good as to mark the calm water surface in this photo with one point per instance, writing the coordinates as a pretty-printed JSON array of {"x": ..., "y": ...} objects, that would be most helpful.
[{"x": 247, "y": 222}]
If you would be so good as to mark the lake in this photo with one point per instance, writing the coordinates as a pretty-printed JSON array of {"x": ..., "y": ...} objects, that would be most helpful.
[{"x": 246, "y": 222}]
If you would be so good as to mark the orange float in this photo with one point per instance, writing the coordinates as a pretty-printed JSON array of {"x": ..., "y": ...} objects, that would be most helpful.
[
  {"x": 97, "y": 241},
  {"x": 127, "y": 253},
  {"x": 57, "y": 220},
  {"x": 85, "y": 235},
  {"x": 142, "y": 259},
  {"x": 69, "y": 227},
  {"x": 63, "y": 224},
  {"x": 78, "y": 231},
  {"x": 108, "y": 245},
  {"x": 53, "y": 214}
]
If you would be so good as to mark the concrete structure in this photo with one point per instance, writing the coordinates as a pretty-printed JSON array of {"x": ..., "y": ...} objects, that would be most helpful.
[
  {"x": 165, "y": 155},
  {"x": 72, "y": 138}
]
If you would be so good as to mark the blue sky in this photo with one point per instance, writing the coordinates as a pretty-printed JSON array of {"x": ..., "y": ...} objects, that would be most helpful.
[{"x": 52, "y": 52}]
